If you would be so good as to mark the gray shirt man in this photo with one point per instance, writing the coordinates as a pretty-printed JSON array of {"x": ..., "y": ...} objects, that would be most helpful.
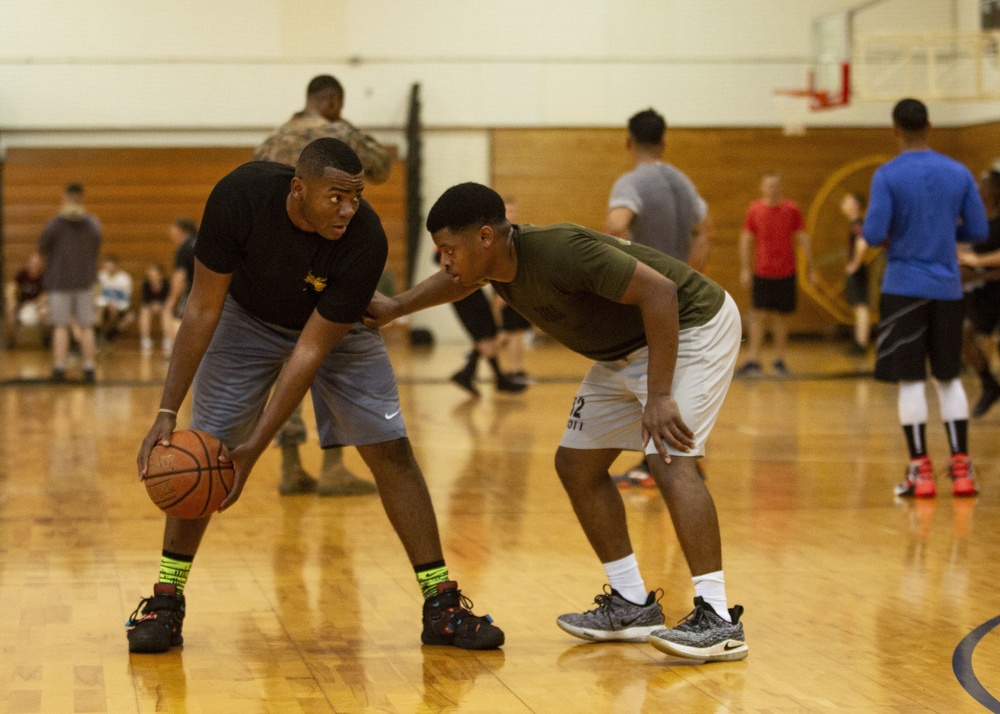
[{"x": 665, "y": 204}]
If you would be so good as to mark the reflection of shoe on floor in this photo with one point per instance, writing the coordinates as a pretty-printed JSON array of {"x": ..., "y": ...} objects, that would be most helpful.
[
  {"x": 963, "y": 480},
  {"x": 506, "y": 384},
  {"x": 341, "y": 482},
  {"x": 704, "y": 635},
  {"x": 919, "y": 482},
  {"x": 295, "y": 480},
  {"x": 615, "y": 619},
  {"x": 464, "y": 380}
]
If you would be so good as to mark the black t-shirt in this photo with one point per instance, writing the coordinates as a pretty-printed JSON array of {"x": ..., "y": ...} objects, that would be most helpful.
[
  {"x": 280, "y": 273},
  {"x": 151, "y": 295},
  {"x": 184, "y": 259}
]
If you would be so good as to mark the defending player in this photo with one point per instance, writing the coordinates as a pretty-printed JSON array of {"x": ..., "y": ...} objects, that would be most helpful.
[
  {"x": 665, "y": 340},
  {"x": 287, "y": 261}
]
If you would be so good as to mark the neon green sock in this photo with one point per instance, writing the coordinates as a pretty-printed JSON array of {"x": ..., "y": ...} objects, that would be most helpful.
[
  {"x": 429, "y": 575},
  {"x": 174, "y": 569}
]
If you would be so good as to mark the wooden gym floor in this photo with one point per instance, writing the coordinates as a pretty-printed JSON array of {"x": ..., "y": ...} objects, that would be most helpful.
[{"x": 855, "y": 602}]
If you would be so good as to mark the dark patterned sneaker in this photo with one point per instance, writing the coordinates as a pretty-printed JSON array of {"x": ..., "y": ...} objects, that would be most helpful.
[
  {"x": 448, "y": 620},
  {"x": 704, "y": 636},
  {"x": 615, "y": 619},
  {"x": 919, "y": 482},
  {"x": 159, "y": 628}
]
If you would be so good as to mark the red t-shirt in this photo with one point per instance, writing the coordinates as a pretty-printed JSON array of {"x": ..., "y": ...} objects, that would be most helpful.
[{"x": 774, "y": 229}]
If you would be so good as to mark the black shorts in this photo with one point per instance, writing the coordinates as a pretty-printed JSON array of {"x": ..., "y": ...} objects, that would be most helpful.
[
  {"x": 512, "y": 320},
  {"x": 857, "y": 287},
  {"x": 983, "y": 307},
  {"x": 774, "y": 294},
  {"x": 476, "y": 316},
  {"x": 910, "y": 331}
]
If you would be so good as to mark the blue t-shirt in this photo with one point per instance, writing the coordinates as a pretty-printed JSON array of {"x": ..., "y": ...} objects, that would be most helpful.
[{"x": 922, "y": 202}]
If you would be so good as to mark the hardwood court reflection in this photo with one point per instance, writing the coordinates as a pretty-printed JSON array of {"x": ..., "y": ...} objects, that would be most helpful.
[{"x": 854, "y": 601}]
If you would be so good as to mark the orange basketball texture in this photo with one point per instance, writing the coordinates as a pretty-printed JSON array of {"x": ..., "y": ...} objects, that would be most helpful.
[{"x": 186, "y": 479}]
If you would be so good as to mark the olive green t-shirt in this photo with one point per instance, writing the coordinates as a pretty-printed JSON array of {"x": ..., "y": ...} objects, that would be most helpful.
[{"x": 569, "y": 279}]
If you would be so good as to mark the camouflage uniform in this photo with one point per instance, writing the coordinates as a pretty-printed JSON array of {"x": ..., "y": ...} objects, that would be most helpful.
[
  {"x": 287, "y": 141},
  {"x": 284, "y": 146}
]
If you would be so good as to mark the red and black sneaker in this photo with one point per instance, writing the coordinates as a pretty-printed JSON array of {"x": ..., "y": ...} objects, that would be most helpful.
[
  {"x": 448, "y": 620},
  {"x": 963, "y": 480},
  {"x": 919, "y": 482},
  {"x": 162, "y": 619}
]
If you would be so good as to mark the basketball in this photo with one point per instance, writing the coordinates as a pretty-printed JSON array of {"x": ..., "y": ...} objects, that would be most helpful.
[{"x": 186, "y": 479}]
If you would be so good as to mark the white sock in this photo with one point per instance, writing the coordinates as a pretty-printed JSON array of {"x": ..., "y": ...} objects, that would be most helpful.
[
  {"x": 954, "y": 403},
  {"x": 912, "y": 403},
  {"x": 711, "y": 587},
  {"x": 623, "y": 575}
]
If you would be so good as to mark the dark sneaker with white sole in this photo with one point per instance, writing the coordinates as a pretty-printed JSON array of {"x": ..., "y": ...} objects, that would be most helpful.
[
  {"x": 615, "y": 619},
  {"x": 703, "y": 635}
]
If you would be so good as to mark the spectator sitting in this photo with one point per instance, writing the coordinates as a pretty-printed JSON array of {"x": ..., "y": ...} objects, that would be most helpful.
[
  {"x": 24, "y": 298},
  {"x": 155, "y": 290},
  {"x": 114, "y": 302}
]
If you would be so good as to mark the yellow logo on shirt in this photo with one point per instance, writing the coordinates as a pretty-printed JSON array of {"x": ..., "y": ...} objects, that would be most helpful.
[{"x": 318, "y": 284}]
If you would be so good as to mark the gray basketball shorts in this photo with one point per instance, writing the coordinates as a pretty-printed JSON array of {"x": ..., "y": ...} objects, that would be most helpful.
[
  {"x": 66, "y": 306},
  {"x": 354, "y": 391}
]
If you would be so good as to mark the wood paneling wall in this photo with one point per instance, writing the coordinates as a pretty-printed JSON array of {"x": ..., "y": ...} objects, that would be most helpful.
[
  {"x": 567, "y": 174},
  {"x": 136, "y": 193}
]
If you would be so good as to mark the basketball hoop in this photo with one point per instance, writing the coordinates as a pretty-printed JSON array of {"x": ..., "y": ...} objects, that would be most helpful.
[{"x": 793, "y": 107}]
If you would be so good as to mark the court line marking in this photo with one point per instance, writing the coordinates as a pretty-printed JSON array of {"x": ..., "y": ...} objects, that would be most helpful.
[{"x": 961, "y": 665}]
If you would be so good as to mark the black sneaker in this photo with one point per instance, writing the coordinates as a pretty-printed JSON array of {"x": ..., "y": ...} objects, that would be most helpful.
[
  {"x": 464, "y": 380},
  {"x": 750, "y": 369},
  {"x": 162, "y": 619},
  {"x": 780, "y": 368},
  {"x": 506, "y": 384},
  {"x": 58, "y": 376},
  {"x": 991, "y": 393},
  {"x": 88, "y": 376},
  {"x": 448, "y": 620}
]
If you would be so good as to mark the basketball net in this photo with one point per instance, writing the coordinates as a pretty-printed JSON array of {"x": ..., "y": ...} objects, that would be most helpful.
[{"x": 793, "y": 111}]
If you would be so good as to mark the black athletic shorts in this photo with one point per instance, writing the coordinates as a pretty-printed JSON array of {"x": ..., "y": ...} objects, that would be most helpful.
[
  {"x": 512, "y": 320},
  {"x": 857, "y": 287},
  {"x": 774, "y": 294},
  {"x": 910, "y": 331},
  {"x": 983, "y": 307},
  {"x": 476, "y": 316}
]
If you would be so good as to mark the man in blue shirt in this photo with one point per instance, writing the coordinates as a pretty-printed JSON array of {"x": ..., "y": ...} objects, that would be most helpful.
[{"x": 922, "y": 203}]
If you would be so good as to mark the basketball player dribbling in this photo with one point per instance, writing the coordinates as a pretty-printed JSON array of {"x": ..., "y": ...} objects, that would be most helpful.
[
  {"x": 287, "y": 261},
  {"x": 664, "y": 339}
]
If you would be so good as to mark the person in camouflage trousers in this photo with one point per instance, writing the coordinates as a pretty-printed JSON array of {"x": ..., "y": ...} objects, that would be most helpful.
[{"x": 320, "y": 118}]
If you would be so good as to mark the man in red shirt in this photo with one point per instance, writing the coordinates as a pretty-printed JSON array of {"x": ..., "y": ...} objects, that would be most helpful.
[{"x": 772, "y": 226}]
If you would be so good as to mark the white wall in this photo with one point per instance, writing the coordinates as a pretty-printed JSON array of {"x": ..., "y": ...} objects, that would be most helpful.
[
  {"x": 231, "y": 64},
  {"x": 218, "y": 72}
]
